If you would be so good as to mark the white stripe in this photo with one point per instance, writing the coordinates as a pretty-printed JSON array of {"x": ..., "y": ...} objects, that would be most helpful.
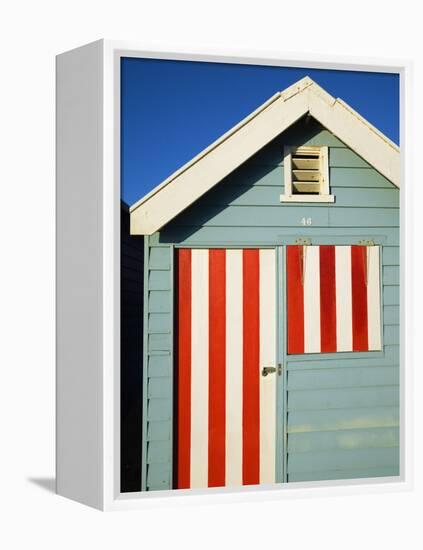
[
  {"x": 311, "y": 299},
  {"x": 267, "y": 358},
  {"x": 199, "y": 368},
  {"x": 373, "y": 298},
  {"x": 343, "y": 298},
  {"x": 234, "y": 365}
]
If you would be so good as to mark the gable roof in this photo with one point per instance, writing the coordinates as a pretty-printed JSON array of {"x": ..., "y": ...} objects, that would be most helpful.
[{"x": 209, "y": 167}]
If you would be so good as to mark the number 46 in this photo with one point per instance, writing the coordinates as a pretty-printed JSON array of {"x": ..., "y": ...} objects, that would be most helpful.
[{"x": 306, "y": 221}]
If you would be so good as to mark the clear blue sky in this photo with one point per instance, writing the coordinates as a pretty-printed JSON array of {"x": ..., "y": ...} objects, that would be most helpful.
[{"x": 171, "y": 110}]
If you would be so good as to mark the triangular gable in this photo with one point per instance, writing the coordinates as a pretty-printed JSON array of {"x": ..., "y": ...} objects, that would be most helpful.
[{"x": 214, "y": 163}]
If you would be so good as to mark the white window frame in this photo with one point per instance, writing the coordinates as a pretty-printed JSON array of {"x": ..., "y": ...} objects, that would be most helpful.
[{"x": 324, "y": 195}]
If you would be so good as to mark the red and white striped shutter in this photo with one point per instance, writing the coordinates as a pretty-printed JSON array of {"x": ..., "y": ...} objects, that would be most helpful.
[
  {"x": 226, "y": 333},
  {"x": 333, "y": 299}
]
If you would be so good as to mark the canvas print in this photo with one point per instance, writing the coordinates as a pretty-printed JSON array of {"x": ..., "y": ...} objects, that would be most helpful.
[{"x": 259, "y": 275}]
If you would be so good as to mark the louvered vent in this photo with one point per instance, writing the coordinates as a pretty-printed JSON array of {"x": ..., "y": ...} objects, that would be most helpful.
[
  {"x": 306, "y": 171},
  {"x": 306, "y": 174}
]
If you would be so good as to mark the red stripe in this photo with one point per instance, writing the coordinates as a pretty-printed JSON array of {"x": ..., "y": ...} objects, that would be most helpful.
[
  {"x": 295, "y": 299},
  {"x": 250, "y": 389},
  {"x": 359, "y": 298},
  {"x": 327, "y": 299},
  {"x": 184, "y": 369},
  {"x": 217, "y": 375}
]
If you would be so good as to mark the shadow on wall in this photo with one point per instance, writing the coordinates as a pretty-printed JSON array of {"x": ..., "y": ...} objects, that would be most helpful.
[
  {"x": 254, "y": 171},
  {"x": 131, "y": 326}
]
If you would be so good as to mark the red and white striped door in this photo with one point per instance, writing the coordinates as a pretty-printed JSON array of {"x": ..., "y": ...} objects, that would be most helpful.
[{"x": 226, "y": 334}]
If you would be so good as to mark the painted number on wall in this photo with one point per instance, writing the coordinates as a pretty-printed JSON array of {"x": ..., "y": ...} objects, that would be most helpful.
[{"x": 306, "y": 221}]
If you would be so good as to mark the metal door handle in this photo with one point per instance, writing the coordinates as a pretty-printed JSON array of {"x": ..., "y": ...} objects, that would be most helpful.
[{"x": 267, "y": 370}]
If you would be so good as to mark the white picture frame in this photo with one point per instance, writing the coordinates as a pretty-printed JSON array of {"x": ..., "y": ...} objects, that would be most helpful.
[{"x": 88, "y": 255}]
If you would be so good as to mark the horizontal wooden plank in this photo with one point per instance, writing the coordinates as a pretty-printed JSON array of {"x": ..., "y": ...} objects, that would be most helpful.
[
  {"x": 342, "y": 459},
  {"x": 267, "y": 236},
  {"x": 369, "y": 217},
  {"x": 291, "y": 215},
  {"x": 159, "y": 366},
  {"x": 159, "y": 409},
  {"x": 391, "y": 255},
  {"x": 159, "y": 258},
  {"x": 343, "y": 378},
  {"x": 386, "y": 471},
  {"x": 391, "y": 275},
  {"x": 159, "y": 322},
  {"x": 159, "y": 342},
  {"x": 357, "y": 177},
  {"x": 271, "y": 155},
  {"x": 256, "y": 216},
  {"x": 391, "y": 315},
  {"x": 310, "y": 134},
  {"x": 309, "y": 361},
  {"x": 267, "y": 196},
  {"x": 228, "y": 194},
  {"x": 345, "y": 157},
  {"x": 258, "y": 175},
  {"x": 159, "y": 388},
  {"x": 158, "y": 476},
  {"x": 391, "y": 295},
  {"x": 388, "y": 357},
  {"x": 342, "y": 419},
  {"x": 159, "y": 301},
  {"x": 155, "y": 242},
  {"x": 159, "y": 280},
  {"x": 159, "y": 430},
  {"x": 343, "y": 439},
  {"x": 341, "y": 398},
  {"x": 379, "y": 198},
  {"x": 391, "y": 334},
  {"x": 324, "y": 138},
  {"x": 158, "y": 452}
]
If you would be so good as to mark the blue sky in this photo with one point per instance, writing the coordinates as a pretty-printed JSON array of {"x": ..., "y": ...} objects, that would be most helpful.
[{"x": 171, "y": 110}]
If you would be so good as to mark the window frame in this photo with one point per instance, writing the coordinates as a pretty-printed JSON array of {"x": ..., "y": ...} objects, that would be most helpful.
[{"x": 324, "y": 194}]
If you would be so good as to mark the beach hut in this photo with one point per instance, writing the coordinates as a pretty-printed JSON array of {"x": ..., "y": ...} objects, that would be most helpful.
[{"x": 271, "y": 302}]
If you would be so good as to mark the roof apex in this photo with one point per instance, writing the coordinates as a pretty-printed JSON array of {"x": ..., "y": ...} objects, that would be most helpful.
[{"x": 234, "y": 147}]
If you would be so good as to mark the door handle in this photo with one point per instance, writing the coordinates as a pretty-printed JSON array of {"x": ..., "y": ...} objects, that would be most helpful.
[{"x": 268, "y": 370}]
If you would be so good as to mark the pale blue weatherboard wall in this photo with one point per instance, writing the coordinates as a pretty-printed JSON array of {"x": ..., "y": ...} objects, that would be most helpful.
[{"x": 341, "y": 411}]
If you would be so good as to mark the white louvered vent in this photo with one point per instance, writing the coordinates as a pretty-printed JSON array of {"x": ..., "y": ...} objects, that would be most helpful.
[
  {"x": 306, "y": 174},
  {"x": 306, "y": 171}
]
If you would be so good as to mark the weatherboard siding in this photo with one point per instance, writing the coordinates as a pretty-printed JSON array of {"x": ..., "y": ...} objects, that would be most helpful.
[
  {"x": 341, "y": 410},
  {"x": 158, "y": 403}
]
